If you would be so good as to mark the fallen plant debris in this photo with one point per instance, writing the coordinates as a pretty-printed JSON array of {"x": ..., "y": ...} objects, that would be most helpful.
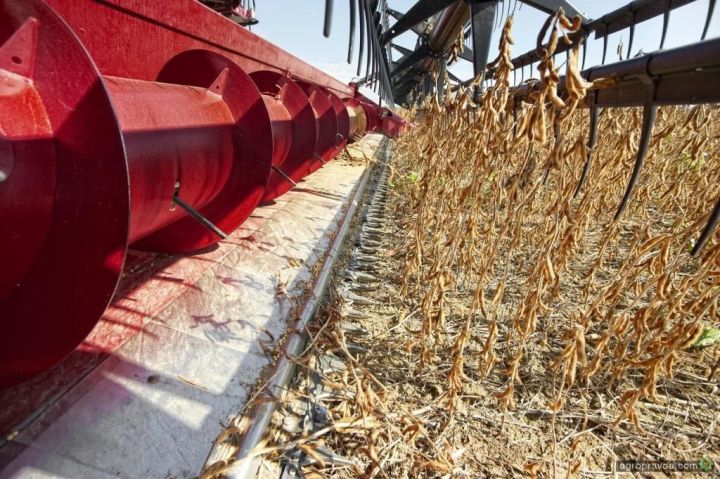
[{"x": 514, "y": 323}]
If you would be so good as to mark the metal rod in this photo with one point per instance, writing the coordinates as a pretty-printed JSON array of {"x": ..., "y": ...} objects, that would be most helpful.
[
  {"x": 285, "y": 177},
  {"x": 417, "y": 14},
  {"x": 630, "y": 42},
  {"x": 711, "y": 9},
  {"x": 605, "y": 42},
  {"x": 592, "y": 139},
  {"x": 351, "y": 39},
  {"x": 378, "y": 57},
  {"x": 557, "y": 139},
  {"x": 361, "y": 22},
  {"x": 440, "y": 83},
  {"x": 666, "y": 20},
  {"x": 372, "y": 37},
  {"x": 199, "y": 217},
  {"x": 648, "y": 120},
  {"x": 368, "y": 72},
  {"x": 708, "y": 230},
  {"x": 328, "y": 17}
]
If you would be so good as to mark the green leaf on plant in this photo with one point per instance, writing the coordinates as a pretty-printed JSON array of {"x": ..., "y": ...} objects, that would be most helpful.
[{"x": 708, "y": 337}]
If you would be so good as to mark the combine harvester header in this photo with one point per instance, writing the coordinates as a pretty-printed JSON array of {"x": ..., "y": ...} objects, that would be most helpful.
[{"x": 160, "y": 125}]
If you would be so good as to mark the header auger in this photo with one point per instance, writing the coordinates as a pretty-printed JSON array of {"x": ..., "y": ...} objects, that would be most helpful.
[{"x": 155, "y": 125}]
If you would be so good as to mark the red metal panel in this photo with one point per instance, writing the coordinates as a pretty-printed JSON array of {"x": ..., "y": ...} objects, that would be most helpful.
[
  {"x": 393, "y": 125},
  {"x": 147, "y": 34}
]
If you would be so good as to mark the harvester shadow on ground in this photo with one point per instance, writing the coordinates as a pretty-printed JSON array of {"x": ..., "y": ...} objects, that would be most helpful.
[{"x": 147, "y": 394}]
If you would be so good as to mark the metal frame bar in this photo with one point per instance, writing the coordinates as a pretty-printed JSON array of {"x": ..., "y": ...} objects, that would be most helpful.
[
  {"x": 482, "y": 14},
  {"x": 412, "y": 59},
  {"x": 420, "y": 29},
  {"x": 418, "y": 13},
  {"x": 551, "y": 6},
  {"x": 633, "y": 13},
  {"x": 686, "y": 75}
]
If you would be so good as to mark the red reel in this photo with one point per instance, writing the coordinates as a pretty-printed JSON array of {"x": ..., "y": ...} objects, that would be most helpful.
[
  {"x": 373, "y": 113},
  {"x": 64, "y": 203},
  {"x": 343, "y": 122},
  {"x": 298, "y": 161},
  {"x": 326, "y": 120},
  {"x": 225, "y": 192}
]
